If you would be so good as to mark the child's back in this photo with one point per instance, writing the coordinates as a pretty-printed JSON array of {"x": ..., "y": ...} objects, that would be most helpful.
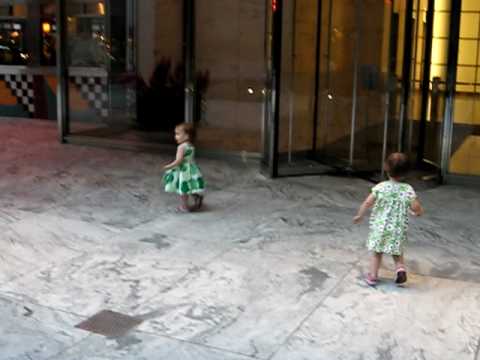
[
  {"x": 389, "y": 219},
  {"x": 392, "y": 201}
]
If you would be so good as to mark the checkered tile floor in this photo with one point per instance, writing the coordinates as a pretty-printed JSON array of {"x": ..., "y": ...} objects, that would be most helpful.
[
  {"x": 22, "y": 87},
  {"x": 95, "y": 91}
]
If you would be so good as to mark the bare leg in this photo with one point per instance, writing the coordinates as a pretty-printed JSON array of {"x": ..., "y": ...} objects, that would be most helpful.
[
  {"x": 376, "y": 260},
  {"x": 399, "y": 261},
  {"x": 400, "y": 272},
  {"x": 184, "y": 204},
  {"x": 198, "y": 201}
]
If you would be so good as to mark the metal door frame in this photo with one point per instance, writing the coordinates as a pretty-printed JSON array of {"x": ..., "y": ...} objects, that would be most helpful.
[
  {"x": 270, "y": 163},
  {"x": 448, "y": 121},
  {"x": 422, "y": 133},
  {"x": 63, "y": 112}
]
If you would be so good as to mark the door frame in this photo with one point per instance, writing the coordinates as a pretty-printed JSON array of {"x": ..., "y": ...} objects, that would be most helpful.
[
  {"x": 448, "y": 121},
  {"x": 446, "y": 127},
  {"x": 273, "y": 61}
]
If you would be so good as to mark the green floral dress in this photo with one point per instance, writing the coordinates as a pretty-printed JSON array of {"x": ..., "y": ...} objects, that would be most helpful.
[
  {"x": 389, "y": 219},
  {"x": 186, "y": 178}
]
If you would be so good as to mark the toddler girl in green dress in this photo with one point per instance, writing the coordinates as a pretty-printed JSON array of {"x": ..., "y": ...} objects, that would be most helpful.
[
  {"x": 392, "y": 201},
  {"x": 183, "y": 176}
]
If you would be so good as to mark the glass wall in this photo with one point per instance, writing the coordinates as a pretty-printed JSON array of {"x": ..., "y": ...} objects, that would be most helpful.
[
  {"x": 96, "y": 38},
  {"x": 13, "y": 34},
  {"x": 299, "y": 74},
  {"x": 416, "y": 83},
  {"x": 27, "y": 32},
  {"x": 369, "y": 83},
  {"x": 229, "y": 73},
  {"x": 465, "y": 147},
  {"x": 435, "y": 102},
  {"x": 131, "y": 62},
  {"x": 418, "y": 77},
  {"x": 27, "y": 58},
  {"x": 126, "y": 70},
  {"x": 160, "y": 67},
  {"x": 335, "y": 57},
  {"x": 358, "y": 79}
]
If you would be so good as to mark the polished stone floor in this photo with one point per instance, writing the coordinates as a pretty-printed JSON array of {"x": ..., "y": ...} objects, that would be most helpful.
[{"x": 269, "y": 270}]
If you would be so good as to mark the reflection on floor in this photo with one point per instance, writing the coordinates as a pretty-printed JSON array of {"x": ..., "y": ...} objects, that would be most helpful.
[
  {"x": 271, "y": 269},
  {"x": 208, "y": 138},
  {"x": 466, "y": 160}
]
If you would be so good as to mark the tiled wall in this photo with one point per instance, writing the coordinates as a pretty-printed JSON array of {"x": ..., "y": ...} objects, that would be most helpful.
[{"x": 35, "y": 95}]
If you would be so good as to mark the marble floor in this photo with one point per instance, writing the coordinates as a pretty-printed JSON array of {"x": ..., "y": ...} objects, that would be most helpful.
[{"x": 271, "y": 269}]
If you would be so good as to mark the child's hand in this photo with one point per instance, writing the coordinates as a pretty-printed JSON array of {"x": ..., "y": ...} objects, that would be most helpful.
[
  {"x": 367, "y": 204},
  {"x": 416, "y": 209}
]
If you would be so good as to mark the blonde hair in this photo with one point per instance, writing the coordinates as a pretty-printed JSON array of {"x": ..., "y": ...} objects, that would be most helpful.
[{"x": 189, "y": 129}]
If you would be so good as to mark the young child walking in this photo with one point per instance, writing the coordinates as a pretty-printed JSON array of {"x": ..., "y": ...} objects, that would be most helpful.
[
  {"x": 392, "y": 201},
  {"x": 182, "y": 175}
]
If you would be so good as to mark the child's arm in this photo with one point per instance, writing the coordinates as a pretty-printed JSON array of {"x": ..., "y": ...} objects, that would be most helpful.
[
  {"x": 367, "y": 204},
  {"x": 178, "y": 160},
  {"x": 416, "y": 208}
]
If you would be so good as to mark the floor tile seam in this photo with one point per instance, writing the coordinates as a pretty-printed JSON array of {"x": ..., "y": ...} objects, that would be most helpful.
[
  {"x": 277, "y": 253},
  {"x": 32, "y": 301},
  {"x": 81, "y": 253},
  {"x": 433, "y": 277},
  {"x": 2, "y": 292},
  {"x": 69, "y": 347},
  {"x": 210, "y": 261},
  {"x": 49, "y": 208},
  {"x": 191, "y": 342},
  {"x": 316, "y": 307},
  {"x": 49, "y": 265},
  {"x": 54, "y": 309},
  {"x": 156, "y": 334},
  {"x": 355, "y": 208},
  {"x": 70, "y": 313},
  {"x": 50, "y": 173},
  {"x": 170, "y": 287},
  {"x": 203, "y": 264},
  {"x": 477, "y": 352},
  {"x": 30, "y": 216}
]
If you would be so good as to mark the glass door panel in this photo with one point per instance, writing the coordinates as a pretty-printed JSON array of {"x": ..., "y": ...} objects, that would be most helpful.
[
  {"x": 27, "y": 59},
  {"x": 371, "y": 80},
  {"x": 437, "y": 89},
  {"x": 332, "y": 103},
  {"x": 89, "y": 58},
  {"x": 299, "y": 85},
  {"x": 122, "y": 89},
  {"x": 229, "y": 74},
  {"x": 160, "y": 68},
  {"x": 419, "y": 29},
  {"x": 269, "y": 128},
  {"x": 465, "y": 146},
  {"x": 418, "y": 96},
  {"x": 395, "y": 82},
  {"x": 339, "y": 46}
]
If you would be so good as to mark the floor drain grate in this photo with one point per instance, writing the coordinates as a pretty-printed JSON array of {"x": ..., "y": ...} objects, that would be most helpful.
[{"x": 109, "y": 323}]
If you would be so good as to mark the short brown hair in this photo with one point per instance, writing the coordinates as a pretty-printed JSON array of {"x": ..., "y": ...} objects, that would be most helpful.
[
  {"x": 397, "y": 165},
  {"x": 189, "y": 129}
]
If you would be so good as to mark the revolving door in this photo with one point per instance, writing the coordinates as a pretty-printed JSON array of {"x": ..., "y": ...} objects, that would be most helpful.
[{"x": 351, "y": 81}]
